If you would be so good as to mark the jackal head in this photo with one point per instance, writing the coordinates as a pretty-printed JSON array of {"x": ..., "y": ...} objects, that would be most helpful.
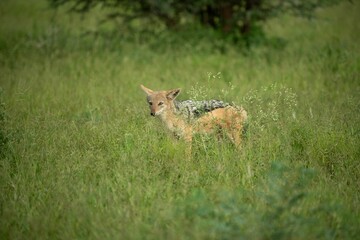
[{"x": 160, "y": 101}]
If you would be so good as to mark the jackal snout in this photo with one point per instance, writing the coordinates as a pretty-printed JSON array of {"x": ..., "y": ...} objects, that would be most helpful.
[{"x": 156, "y": 106}]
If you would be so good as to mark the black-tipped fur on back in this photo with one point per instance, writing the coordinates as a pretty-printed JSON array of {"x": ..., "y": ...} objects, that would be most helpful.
[{"x": 191, "y": 109}]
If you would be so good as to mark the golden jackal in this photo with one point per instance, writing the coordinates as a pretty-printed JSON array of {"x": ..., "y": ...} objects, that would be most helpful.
[{"x": 189, "y": 117}]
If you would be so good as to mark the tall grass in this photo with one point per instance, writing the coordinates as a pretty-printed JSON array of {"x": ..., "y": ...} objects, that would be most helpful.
[{"x": 82, "y": 159}]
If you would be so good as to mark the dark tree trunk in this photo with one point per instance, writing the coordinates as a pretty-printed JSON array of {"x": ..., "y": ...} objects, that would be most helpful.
[
  {"x": 218, "y": 17},
  {"x": 208, "y": 16},
  {"x": 226, "y": 17},
  {"x": 250, "y": 6}
]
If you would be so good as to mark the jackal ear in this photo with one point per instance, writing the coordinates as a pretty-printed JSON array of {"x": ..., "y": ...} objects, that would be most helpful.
[
  {"x": 146, "y": 90},
  {"x": 172, "y": 94}
]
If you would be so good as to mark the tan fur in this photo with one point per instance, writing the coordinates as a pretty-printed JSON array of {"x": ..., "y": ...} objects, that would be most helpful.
[{"x": 229, "y": 120}]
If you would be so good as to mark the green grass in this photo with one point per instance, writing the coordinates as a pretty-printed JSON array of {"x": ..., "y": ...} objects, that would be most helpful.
[{"x": 81, "y": 158}]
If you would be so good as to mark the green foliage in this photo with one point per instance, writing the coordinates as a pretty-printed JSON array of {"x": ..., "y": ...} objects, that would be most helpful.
[
  {"x": 278, "y": 208},
  {"x": 84, "y": 160},
  {"x": 3, "y": 137}
]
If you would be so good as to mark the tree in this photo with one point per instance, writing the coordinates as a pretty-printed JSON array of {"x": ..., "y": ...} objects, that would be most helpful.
[{"x": 230, "y": 17}]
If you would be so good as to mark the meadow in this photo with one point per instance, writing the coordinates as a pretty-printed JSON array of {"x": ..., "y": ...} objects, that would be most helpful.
[{"x": 81, "y": 158}]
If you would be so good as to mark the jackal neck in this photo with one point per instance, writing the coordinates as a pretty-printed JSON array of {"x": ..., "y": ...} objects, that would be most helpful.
[{"x": 173, "y": 121}]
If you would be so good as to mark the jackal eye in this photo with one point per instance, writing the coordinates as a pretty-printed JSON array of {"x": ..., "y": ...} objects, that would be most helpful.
[
  {"x": 160, "y": 103},
  {"x": 150, "y": 103}
]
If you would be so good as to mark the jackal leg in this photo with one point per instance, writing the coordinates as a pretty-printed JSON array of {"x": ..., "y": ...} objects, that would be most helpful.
[
  {"x": 235, "y": 137},
  {"x": 188, "y": 139},
  {"x": 235, "y": 133}
]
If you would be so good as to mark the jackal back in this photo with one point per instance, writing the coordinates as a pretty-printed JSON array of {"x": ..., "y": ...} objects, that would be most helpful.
[{"x": 191, "y": 110}]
